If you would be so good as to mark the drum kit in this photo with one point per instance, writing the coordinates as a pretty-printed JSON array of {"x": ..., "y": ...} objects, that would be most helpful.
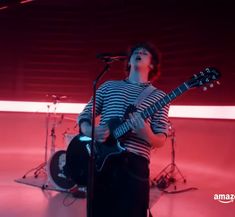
[
  {"x": 55, "y": 167},
  {"x": 52, "y": 168}
]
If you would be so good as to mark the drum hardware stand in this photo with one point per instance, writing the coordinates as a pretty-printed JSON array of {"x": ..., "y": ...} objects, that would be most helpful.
[
  {"x": 53, "y": 138},
  {"x": 42, "y": 167},
  {"x": 168, "y": 175}
]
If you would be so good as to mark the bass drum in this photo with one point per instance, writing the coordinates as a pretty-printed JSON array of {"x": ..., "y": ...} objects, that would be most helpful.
[
  {"x": 77, "y": 158},
  {"x": 56, "y": 174}
]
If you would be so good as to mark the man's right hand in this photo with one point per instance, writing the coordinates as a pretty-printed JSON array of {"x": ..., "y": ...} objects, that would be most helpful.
[
  {"x": 86, "y": 128},
  {"x": 101, "y": 132}
]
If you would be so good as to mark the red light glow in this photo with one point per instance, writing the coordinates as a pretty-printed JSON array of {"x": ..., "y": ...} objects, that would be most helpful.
[{"x": 25, "y": 1}]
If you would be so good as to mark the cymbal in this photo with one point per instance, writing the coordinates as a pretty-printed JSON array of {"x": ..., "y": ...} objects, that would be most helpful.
[
  {"x": 70, "y": 118},
  {"x": 56, "y": 98}
]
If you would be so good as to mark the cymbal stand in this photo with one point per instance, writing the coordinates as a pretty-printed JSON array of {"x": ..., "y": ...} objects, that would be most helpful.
[
  {"x": 42, "y": 167},
  {"x": 168, "y": 175},
  {"x": 53, "y": 139}
]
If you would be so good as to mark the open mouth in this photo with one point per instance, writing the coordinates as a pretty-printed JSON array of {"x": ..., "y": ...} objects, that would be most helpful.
[{"x": 138, "y": 58}]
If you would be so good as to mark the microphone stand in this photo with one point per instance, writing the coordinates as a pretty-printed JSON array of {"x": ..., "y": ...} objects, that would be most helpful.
[{"x": 90, "y": 185}]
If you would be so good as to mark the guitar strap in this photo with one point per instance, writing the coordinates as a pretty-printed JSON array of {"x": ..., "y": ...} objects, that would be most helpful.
[{"x": 143, "y": 95}]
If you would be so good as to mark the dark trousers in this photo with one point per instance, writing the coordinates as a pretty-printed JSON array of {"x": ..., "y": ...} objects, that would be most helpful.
[{"x": 122, "y": 190}]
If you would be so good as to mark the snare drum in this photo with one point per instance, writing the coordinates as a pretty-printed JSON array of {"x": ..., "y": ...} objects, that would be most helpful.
[{"x": 55, "y": 170}]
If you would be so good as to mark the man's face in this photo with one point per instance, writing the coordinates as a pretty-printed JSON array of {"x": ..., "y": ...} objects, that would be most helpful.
[{"x": 141, "y": 59}]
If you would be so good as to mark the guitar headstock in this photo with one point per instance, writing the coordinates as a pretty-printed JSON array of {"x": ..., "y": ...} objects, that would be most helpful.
[{"x": 206, "y": 77}]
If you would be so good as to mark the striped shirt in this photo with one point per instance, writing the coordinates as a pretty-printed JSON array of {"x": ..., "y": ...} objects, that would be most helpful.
[{"x": 112, "y": 100}]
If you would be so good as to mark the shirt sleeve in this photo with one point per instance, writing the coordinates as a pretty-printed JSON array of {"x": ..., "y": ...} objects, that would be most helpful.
[
  {"x": 86, "y": 114},
  {"x": 160, "y": 122}
]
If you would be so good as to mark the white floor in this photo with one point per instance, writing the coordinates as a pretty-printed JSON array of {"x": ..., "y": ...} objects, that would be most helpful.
[{"x": 19, "y": 200}]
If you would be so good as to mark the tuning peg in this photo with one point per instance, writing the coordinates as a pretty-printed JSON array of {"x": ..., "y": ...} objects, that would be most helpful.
[
  {"x": 202, "y": 73},
  {"x": 204, "y": 88},
  {"x": 211, "y": 85},
  {"x": 194, "y": 75}
]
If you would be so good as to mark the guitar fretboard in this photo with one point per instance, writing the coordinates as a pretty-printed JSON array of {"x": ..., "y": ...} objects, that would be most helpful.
[{"x": 148, "y": 112}]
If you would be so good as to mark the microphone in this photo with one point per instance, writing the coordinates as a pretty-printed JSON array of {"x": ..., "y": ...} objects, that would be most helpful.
[{"x": 110, "y": 57}]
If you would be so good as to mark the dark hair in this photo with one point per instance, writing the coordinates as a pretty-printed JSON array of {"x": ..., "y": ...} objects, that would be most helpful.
[{"x": 155, "y": 72}]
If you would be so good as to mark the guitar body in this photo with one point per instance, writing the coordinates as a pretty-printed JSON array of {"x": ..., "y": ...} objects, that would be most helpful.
[{"x": 79, "y": 151}]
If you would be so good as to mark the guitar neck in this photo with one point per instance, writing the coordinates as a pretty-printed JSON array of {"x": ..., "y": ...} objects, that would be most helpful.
[{"x": 151, "y": 110}]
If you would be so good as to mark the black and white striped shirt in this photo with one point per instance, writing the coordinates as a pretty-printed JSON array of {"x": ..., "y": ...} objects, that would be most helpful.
[{"x": 112, "y": 100}]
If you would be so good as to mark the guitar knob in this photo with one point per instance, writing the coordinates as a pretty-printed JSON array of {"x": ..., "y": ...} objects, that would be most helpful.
[
  {"x": 204, "y": 88},
  {"x": 211, "y": 85},
  {"x": 217, "y": 82}
]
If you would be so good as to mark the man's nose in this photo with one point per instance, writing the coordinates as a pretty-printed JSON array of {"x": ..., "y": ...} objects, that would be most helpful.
[{"x": 139, "y": 52}]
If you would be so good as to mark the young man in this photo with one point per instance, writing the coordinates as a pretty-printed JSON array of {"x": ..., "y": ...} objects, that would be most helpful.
[{"x": 123, "y": 189}]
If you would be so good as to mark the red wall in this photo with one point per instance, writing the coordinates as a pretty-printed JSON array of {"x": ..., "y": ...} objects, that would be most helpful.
[{"x": 202, "y": 145}]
